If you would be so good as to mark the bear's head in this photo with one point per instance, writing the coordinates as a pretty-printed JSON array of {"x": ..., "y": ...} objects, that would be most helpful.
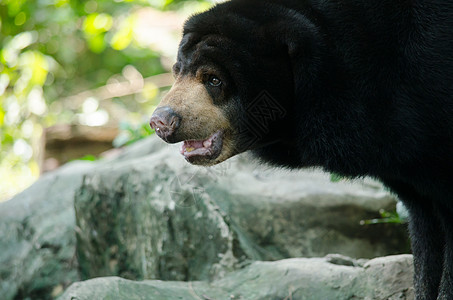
[{"x": 234, "y": 86}]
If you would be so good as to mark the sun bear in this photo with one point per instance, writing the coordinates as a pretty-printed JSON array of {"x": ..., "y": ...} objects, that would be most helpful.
[{"x": 359, "y": 88}]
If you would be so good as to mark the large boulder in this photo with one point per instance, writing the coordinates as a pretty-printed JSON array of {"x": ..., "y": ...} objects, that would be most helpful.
[
  {"x": 150, "y": 215},
  {"x": 37, "y": 244},
  {"x": 334, "y": 277}
]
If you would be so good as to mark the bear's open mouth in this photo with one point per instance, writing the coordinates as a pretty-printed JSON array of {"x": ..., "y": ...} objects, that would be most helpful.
[{"x": 209, "y": 148}]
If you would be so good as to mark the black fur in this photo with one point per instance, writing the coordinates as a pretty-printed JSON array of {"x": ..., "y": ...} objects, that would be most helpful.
[{"x": 367, "y": 90}]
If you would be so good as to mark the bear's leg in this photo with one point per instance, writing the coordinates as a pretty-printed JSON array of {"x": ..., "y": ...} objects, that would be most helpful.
[
  {"x": 427, "y": 240},
  {"x": 446, "y": 285}
]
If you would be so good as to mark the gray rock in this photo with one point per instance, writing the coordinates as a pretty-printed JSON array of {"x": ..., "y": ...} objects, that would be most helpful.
[
  {"x": 37, "y": 244},
  {"x": 150, "y": 215},
  {"x": 387, "y": 278}
]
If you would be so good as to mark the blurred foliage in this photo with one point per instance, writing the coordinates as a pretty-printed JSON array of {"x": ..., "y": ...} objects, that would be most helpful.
[
  {"x": 89, "y": 158},
  {"x": 51, "y": 49},
  {"x": 131, "y": 133},
  {"x": 386, "y": 217},
  {"x": 334, "y": 177}
]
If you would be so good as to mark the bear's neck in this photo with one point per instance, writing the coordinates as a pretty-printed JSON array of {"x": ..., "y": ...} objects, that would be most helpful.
[{"x": 339, "y": 126}]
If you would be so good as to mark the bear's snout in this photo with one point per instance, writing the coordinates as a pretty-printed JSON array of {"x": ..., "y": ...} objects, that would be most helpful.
[{"x": 165, "y": 122}]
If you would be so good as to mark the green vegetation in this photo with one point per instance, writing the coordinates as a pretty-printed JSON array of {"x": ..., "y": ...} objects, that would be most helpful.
[
  {"x": 131, "y": 133},
  {"x": 386, "y": 217},
  {"x": 334, "y": 177},
  {"x": 55, "y": 57}
]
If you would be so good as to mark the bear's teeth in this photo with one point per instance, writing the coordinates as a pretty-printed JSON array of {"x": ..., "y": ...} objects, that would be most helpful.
[
  {"x": 207, "y": 144},
  {"x": 190, "y": 149}
]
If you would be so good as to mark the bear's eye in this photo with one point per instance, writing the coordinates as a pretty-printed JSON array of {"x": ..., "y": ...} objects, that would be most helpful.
[{"x": 214, "y": 81}]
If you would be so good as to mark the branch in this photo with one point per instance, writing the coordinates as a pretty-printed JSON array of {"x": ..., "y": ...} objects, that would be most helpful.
[{"x": 119, "y": 89}]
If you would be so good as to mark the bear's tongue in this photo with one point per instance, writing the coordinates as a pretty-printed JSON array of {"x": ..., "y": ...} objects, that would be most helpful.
[{"x": 209, "y": 147}]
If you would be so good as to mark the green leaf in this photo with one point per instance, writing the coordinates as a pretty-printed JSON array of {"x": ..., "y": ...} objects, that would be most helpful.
[
  {"x": 2, "y": 116},
  {"x": 89, "y": 158},
  {"x": 96, "y": 43},
  {"x": 95, "y": 23},
  {"x": 334, "y": 177},
  {"x": 123, "y": 37},
  {"x": 386, "y": 217}
]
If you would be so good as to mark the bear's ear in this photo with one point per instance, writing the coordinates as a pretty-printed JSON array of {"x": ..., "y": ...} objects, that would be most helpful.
[
  {"x": 188, "y": 41},
  {"x": 187, "y": 46},
  {"x": 303, "y": 43}
]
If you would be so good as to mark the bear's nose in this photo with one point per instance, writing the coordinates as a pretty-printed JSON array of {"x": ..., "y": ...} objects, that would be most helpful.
[{"x": 165, "y": 122}]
